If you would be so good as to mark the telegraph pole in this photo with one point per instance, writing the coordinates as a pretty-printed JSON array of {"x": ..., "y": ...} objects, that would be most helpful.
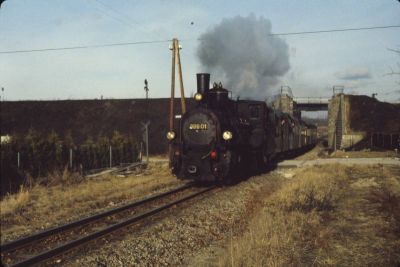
[
  {"x": 183, "y": 103},
  {"x": 176, "y": 59},
  {"x": 171, "y": 103},
  {"x": 146, "y": 88}
]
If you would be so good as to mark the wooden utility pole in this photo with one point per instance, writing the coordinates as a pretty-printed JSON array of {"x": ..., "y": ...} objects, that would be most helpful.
[
  {"x": 171, "y": 103},
  {"x": 183, "y": 103},
  {"x": 176, "y": 59},
  {"x": 146, "y": 88}
]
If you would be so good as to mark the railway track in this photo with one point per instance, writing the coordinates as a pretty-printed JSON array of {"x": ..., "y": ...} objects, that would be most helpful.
[{"x": 44, "y": 245}]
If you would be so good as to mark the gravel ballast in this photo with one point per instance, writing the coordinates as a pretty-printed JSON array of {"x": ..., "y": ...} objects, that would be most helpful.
[{"x": 189, "y": 234}]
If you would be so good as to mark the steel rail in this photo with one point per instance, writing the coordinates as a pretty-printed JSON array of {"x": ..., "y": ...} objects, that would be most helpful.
[
  {"x": 67, "y": 246},
  {"x": 12, "y": 245}
]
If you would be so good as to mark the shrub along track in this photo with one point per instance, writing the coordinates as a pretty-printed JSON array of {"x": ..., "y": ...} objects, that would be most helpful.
[{"x": 49, "y": 243}]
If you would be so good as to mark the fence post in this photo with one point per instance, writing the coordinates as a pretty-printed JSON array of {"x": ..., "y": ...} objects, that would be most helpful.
[
  {"x": 147, "y": 144},
  {"x": 140, "y": 153},
  {"x": 70, "y": 158},
  {"x": 145, "y": 128},
  {"x": 372, "y": 137},
  {"x": 18, "y": 160},
  {"x": 110, "y": 156},
  {"x": 334, "y": 141}
]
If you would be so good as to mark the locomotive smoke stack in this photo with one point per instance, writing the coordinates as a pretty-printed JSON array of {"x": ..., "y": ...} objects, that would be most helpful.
[{"x": 203, "y": 83}]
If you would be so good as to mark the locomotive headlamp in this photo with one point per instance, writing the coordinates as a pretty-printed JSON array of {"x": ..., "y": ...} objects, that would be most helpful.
[
  {"x": 198, "y": 97},
  {"x": 171, "y": 135},
  {"x": 227, "y": 135}
]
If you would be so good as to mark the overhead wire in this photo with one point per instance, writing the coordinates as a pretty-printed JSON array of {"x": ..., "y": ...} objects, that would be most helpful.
[
  {"x": 114, "y": 10},
  {"x": 338, "y": 30},
  {"x": 197, "y": 39},
  {"x": 83, "y": 47},
  {"x": 113, "y": 17},
  {"x": 122, "y": 17}
]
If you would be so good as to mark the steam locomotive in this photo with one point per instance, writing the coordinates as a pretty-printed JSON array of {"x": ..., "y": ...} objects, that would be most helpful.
[{"x": 221, "y": 138}]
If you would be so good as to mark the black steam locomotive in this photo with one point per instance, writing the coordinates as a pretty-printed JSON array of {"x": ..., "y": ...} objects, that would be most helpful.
[{"x": 221, "y": 138}]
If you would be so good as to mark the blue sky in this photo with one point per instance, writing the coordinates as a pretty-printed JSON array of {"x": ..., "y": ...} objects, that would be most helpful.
[{"x": 358, "y": 60}]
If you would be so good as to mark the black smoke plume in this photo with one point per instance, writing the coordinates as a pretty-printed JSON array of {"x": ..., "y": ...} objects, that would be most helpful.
[{"x": 242, "y": 54}]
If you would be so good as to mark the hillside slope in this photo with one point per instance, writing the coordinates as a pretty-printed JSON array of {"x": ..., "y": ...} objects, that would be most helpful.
[{"x": 370, "y": 115}]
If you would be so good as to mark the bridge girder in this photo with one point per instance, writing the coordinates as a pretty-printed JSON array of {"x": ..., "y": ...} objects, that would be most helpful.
[{"x": 311, "y": 107}]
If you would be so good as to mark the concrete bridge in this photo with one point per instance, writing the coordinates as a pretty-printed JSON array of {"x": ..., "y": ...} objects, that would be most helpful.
[
  {"x": 311, "y": 103},
  {"x": 295, "y": 105}
]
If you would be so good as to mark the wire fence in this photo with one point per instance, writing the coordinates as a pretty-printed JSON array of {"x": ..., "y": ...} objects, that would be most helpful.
[
  {"x": 34, "y": 156},
  {"x": 385, "y": 140},
  {"x": 38, "y": 162}
]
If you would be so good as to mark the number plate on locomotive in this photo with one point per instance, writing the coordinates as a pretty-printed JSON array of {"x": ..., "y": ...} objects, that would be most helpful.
[{"x": 198, "y": 126}]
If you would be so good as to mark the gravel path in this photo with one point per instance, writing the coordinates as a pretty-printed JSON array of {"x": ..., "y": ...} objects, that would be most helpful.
[
  {"x": 189, "y": 234},
  {"x": 345, "y": 161}
]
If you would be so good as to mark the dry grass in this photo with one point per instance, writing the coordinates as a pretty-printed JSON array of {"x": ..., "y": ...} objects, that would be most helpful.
[
  {"x": 275, "y": 239},
  {"x": 325, "y": 216},
  {"x": 63, "y": 178},
  {"x": 387, "y": 198},
  {"x": 314, "y": 188},
  {"x": 14, "y": 203},
  {"x": 65, "y": 199}
]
